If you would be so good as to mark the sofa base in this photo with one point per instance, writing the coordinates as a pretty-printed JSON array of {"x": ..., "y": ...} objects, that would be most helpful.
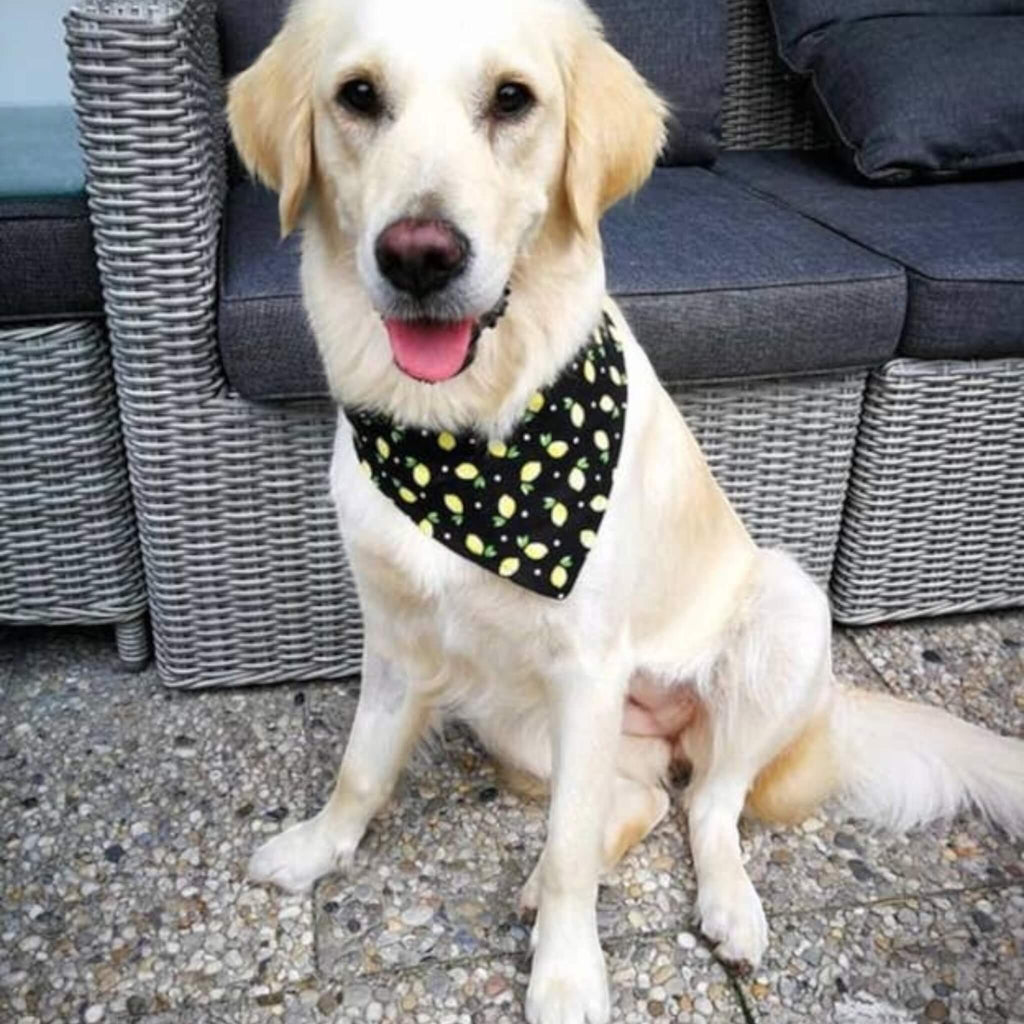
[
  {"x": 781, "y": 450},
  {"x": 933, "y": 520},
  {"x": 69, "y": 550},
  {"x": 248, "y": 578},
  {"x": 247, "y": 575}
]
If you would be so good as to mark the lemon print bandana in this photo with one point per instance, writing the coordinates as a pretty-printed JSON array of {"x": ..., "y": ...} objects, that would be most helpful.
[{"x": 527, "y": 507}]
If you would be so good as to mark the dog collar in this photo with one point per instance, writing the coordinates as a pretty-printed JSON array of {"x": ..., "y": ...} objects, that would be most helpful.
[{"x": 529, "y": 507}]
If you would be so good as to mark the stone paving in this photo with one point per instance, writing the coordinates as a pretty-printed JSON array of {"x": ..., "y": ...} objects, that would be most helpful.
[{"x": 127, "y": 812}]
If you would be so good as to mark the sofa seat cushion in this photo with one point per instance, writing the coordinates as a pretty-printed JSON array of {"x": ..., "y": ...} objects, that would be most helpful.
[
  {"x": 47, "y": 265},
  {"x": 719, "y": 283},
  {"x": 960, "y": 242},
  {"x": 716, "y": 282}
]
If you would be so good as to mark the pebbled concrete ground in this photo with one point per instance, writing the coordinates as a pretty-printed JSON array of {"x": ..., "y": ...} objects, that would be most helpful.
[{"x": 127, "y": 812}]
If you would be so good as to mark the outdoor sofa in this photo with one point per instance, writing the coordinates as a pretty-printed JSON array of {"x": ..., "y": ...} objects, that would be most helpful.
[{"x": 850, "y": 355}]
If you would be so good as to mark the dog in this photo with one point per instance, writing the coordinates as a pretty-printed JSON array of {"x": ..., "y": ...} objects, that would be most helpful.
[{"x": 594, "y": 618}]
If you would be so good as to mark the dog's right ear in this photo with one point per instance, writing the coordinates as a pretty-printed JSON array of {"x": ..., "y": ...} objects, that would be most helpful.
[
  {"x": 615, "y": 128},
  {"x": 270, "y": 111}
]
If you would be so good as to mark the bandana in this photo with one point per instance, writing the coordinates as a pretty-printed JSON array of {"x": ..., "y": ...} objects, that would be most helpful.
[{"x": 527, "y": 508}]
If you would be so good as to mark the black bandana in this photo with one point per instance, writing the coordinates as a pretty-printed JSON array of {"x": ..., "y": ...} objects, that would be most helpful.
[{"x": 527, "y": 508}]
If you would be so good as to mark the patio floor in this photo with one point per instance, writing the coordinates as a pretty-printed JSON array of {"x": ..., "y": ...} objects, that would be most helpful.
[{"x": 127, "y": 812}]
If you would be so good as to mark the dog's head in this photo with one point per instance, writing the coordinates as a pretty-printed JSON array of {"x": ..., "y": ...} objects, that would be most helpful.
[{"x": 436, "y": 142}]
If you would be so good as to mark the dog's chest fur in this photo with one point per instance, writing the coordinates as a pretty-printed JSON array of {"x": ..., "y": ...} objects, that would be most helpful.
[
  {"x": 449, "y": 617},
  {"x": 450, "y": 622}
]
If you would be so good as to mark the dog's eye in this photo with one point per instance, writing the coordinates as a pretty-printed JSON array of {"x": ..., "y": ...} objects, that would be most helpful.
[
  {"x": 360, "y": 96},
  {"x": 511, "y": 99}
]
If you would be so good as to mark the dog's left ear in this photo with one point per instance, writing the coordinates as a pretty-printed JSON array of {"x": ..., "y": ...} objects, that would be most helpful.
[
  {"x": 615, "y": 129},
  {"x": 270, "y": 112}
]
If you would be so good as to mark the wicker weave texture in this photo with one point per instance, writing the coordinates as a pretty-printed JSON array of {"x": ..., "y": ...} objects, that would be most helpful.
[
  {"x": 68, "y": 544},
  {"x": 781, "y": 450},
  {"x": 933, "y": 521},
  {"x": 764, "y": 106},
  {"x": 246, "y": 576}
]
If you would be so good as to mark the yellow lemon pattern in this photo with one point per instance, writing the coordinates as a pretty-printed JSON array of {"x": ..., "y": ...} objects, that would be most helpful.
[
  {"x": 527, "y": 506},
  {"x": 506, "y": 510}
]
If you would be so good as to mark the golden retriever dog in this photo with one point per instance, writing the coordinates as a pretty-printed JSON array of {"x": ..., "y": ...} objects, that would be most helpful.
[{"x": 449, "y": 164}]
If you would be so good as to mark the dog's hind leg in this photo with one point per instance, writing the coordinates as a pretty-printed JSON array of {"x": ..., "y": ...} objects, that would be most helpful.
[
  {"x": 390, "y": 718},
  {"x": 773, "y": 680},
  {"x": 728, "y": 907}
]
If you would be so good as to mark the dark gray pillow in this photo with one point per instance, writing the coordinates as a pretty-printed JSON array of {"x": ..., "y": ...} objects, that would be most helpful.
[
  {"x": 913, "y": 88},
  {"x": 798, "y": 23}
]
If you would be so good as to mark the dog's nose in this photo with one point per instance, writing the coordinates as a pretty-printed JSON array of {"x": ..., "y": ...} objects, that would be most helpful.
[{"x": 421, "y": 256}]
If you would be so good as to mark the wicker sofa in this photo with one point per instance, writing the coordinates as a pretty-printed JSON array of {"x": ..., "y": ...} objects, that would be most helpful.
[
  {"x": 765, "y": 323},
  {"x": 69, "y": 550}
]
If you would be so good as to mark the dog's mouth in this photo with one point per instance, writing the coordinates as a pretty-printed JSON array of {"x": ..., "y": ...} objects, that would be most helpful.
[{"x": 437, "y": 350}]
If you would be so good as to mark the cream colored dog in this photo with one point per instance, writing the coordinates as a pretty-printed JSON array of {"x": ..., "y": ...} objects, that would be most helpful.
[{"x": 435, "y": 154}]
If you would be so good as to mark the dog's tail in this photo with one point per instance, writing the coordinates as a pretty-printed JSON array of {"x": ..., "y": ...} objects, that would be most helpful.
[
  {"x": 895, "y": 764},
  {"x": 901, "y": 764}
]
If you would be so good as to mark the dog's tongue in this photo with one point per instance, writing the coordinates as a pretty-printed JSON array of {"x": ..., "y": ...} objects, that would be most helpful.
[{"x": 430, "y": 351}]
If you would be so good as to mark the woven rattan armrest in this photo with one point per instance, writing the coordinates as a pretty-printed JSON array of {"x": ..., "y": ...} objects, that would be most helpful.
[{"x": 148, "y": 96}]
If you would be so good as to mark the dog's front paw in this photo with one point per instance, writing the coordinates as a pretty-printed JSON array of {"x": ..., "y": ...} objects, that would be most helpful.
[
  {"x": 296, "y": 858},
  {"x": 731, "y": 916},
  {"x": 568, "y": 983}
]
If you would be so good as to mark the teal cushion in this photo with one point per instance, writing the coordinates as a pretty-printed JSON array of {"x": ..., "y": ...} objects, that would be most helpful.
[{"x": 39, "y": 155}]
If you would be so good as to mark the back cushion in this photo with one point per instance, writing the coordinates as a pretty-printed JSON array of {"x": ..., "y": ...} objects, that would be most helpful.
[
  {"x": 678, "y": 46},
  {"x": 798, "y": 22},
  {"x": 244, "y": 28}
]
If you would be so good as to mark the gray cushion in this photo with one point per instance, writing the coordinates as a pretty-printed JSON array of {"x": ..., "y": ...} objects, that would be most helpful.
[
  {"x": 47, "y": 266},
  {"x": 961, "y": 243},
  {"x": 800, "y": 24},
  {"x": 680, "y": 49},
  {"x": 244, "y": 27},
  {"x": 266, "y": 344},
  {"x": 910, "y": 96},
  {"x": 716, "y": 283}
]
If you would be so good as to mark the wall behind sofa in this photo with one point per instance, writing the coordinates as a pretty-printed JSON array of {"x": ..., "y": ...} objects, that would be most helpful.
[{"x": 33, "y": 65}]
